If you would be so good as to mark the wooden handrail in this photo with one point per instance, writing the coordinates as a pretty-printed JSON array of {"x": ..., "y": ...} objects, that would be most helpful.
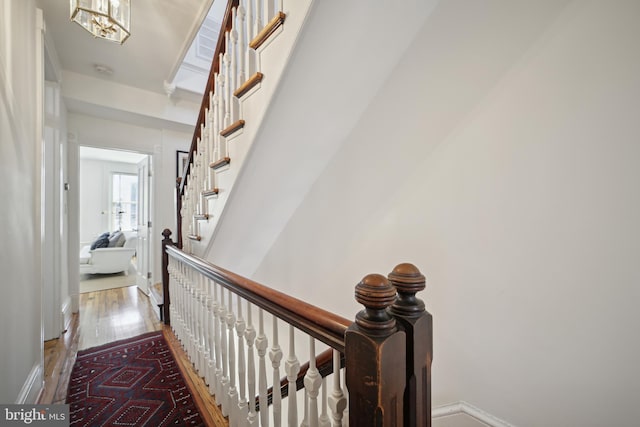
[{"x": 314, "y": 321}]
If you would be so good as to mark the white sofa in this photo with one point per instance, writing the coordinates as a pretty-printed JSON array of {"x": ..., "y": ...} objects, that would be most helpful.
[{"x": 108, "y": 260}]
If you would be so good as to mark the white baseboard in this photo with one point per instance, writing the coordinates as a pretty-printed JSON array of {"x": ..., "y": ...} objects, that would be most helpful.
[
  {"x": 463, "y": 407},
  {"x": 32, "y": 386}
]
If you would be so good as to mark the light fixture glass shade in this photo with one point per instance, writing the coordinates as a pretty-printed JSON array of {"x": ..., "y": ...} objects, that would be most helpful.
[{"x": 106, "y": 19}]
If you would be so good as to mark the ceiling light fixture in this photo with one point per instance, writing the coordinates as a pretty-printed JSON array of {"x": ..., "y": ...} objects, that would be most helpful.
[{"x": 106, "y": 19}]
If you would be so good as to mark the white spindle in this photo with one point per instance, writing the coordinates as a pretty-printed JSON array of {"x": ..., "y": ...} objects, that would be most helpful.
[
  {"x": 324, "y": 420},
  {"x": 213, "y": 120},
  {"x": 250, "y": 336},
  {"x": 305, "y": 417},
  {"x": 242, "y": 365},
  {"x": 240, "y": 25},
  {"x": 269, "y": 11},
  {"x": 227, "y": 83},
  {"x": 225, "y": 360},
  {"x": 233, "y": 393},
  {"x": 212, "y": 306},
  {"x": 292, "y": 367},
  {"x": 250, "y": 53},
  {"x": 276, "y": 356},
  {"x": 217, "y": 345},
  {"x": 337, "y": 399},
  {"x": 200, "y": 312},
  {"x": 262, "y": 344},
  {"x": 257, "y": 17},
  {"x": 312, "y": 383}
]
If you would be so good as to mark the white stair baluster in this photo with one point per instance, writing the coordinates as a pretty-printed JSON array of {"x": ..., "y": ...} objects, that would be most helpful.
[
  {"x": 276, "y": 356},
  {"x": 211, "y": 309},
  {"x": 257, "y": 17},
  {"x": 250, "y": 336},
  {"x": 250, "y": 60},
  {"x": 324, "y": 420},
  {"x": 337, "y": 399},
  {"x": 226, "y": 63},
  {"x": 216, "y": 343},
  {"x": 233, "y": 393},
  {"x": 233, "y": 67},
  {"x": 241, "y": 28},
  {"x": 292, "y": 367},
  {"x": 261, "y": 344},
  {"x": 269, "y": 11},
  {"x": 312, "y": 383},
  {"x": 305, "y": 418},
  {"x": 225, "y": 360},
  {"x": 242, "y": 367}
]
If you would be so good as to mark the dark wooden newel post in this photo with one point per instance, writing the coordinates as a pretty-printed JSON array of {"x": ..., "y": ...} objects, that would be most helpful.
[
  {"x": 375, "y": 358},
  {"x": 417, "y": 323},
  {"x": 165, "y": 275}
]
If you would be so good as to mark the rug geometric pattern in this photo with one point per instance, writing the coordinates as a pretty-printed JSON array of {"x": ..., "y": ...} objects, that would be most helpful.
[{"x": 132, "y": 382}]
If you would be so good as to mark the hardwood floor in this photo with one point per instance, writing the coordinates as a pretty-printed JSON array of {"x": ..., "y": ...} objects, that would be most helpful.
[
  {"x": 107, "y": 316},
  {"x": 114, "y": 314}
]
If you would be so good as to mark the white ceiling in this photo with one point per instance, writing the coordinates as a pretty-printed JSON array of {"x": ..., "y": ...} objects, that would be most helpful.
[{"x": 161, "y": 33}]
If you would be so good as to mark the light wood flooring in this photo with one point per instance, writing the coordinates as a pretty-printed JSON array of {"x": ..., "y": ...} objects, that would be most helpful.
[{"x": 107, "y": 316}]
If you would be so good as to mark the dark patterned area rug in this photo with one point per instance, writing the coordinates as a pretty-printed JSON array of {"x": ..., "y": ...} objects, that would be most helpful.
[{"x": 133, "y": 382}]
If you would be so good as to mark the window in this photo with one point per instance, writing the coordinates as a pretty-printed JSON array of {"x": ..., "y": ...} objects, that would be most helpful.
[{"x": 124, "y": 202}]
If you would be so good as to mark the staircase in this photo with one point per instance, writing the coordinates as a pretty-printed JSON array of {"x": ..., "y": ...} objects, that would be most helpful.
[{"x": 247, "y": 68}]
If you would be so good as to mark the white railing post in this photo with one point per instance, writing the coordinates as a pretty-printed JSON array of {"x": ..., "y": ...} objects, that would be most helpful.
[
  {"x": 262, "y": 344},
  {"x": 242, "y": 365},
  {"x": 225, "y": 359},
  {"x": 324, "y": 420},
  {"x": 217, "y": 344},
  {"x": 233, "y": 394},
  {"x": 250, "y": 336},
  {"x": 242, "y": 46},
  {"x": 312, "y": 383},
  {"x": 292, "y": 367},
  {"x": 276, "y": 356},
  {"x": 337, "y": 399}
]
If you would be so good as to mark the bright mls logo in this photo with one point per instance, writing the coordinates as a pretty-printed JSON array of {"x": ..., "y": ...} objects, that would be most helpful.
[{"x": 42, "y": 415}]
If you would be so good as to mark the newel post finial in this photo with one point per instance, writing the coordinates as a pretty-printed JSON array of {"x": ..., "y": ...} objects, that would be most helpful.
[
  {"x": 410, "y": 313},
  {"x": 167, "y": 234},
  {"x": 375, "y": 357}
]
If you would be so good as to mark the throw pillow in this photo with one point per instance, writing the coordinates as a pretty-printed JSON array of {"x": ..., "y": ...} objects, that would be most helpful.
[
  {"x": 121, "y": 241},
  {"x": 114, "y": 238},
  {"x": 101, "y": 242}
]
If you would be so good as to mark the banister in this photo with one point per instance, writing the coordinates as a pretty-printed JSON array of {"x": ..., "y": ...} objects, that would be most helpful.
[
  {"x": 324, "y": 364},
  {"x": 316, "y": 322}
]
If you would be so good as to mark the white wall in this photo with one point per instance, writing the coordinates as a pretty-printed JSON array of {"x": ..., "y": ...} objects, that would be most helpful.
[
  {"x": 20, "y": 156},
  {"x": 161, "y": 144},
  {"x": 501, "y": 157},
  {"x": 95, "y": 188}
]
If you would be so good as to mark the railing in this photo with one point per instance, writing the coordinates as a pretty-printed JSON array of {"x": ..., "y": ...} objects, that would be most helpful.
[
  {"x": 384, "y": 357},
  {"x": 246, "y": 25}
]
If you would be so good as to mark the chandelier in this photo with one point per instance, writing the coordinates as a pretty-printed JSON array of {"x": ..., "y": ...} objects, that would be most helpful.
[{"x": 106, "y": 19}]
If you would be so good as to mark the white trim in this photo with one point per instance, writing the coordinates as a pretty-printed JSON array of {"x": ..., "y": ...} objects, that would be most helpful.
[
  {"x": 463, "y": 407},
  {"x": 30, "y": 389}
]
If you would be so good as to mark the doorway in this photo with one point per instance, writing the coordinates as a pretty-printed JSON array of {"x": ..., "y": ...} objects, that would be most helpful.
[{"x": 112, "y": 196}]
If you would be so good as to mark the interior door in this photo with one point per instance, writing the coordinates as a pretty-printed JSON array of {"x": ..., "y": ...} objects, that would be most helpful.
[{"x": 143, "y": 273}]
